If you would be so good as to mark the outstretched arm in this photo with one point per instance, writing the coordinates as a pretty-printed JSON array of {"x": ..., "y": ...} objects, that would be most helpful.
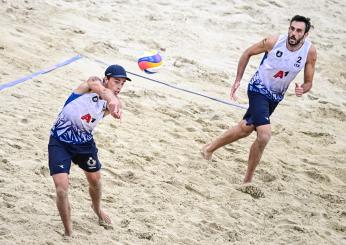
[
  {"x": 94, "y": 84},
  {"x": 309, "y": 72},
  {"x": 263, "y": 46}
]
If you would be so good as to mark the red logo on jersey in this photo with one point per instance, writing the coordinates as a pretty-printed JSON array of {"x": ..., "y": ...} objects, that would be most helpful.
[
  {"x": 88, "y": 118},
  {"x": 281, "y": 74}
]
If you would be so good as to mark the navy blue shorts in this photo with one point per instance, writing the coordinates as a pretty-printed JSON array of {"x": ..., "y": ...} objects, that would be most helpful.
[
  {"x": 260, "y": 109},
  {"x": 60, "y": 155}
]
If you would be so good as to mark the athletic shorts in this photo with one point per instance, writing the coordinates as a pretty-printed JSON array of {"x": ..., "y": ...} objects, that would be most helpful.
[
  {"x": 60, "y": 155},
  {"x": 260, "y": 109}
]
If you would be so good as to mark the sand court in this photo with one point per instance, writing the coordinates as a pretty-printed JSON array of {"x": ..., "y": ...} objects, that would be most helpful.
[{"x": 157, "y": 188}]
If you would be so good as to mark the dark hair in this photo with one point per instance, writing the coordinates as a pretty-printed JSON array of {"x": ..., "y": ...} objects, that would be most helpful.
[{"x": 302, "y": 19}]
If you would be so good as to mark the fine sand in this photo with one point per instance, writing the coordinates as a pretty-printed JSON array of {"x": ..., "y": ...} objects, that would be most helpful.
[{"x": 156, "y": 186}]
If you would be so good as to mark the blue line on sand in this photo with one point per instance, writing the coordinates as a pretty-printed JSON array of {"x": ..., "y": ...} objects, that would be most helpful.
[{"x": 46, "y": 70}]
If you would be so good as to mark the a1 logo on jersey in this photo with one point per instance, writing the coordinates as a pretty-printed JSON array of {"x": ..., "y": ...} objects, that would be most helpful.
[
  {"x": 88, "y": 118},
  {"x": 281, "y": 74}
]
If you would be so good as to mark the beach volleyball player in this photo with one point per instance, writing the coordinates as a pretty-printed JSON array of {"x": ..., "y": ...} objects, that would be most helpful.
[
  {"x": 284, "y": 57},
  {"x": 72, "y": 140}
]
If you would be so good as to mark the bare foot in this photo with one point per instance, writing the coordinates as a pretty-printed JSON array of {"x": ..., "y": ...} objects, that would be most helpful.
[
  {"x": 104, "y": 219},
  {"x": 68, "y": 234},
  {"x": 67, "y": 238},
  {"x": 207, "y": 155}
]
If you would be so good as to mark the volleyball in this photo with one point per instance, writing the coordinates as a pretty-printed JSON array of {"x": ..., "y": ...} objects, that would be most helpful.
[{"x": 150, "y": 61}]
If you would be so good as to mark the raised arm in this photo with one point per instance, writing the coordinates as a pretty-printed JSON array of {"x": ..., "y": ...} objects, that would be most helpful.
[
  {"x": 263, "y": 46},
  {"x": 94, "y": 84},
  {"x": 309, "y": 72}
]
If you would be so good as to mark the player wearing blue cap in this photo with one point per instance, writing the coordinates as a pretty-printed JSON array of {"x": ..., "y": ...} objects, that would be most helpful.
[{"x": 71, "y": 139}]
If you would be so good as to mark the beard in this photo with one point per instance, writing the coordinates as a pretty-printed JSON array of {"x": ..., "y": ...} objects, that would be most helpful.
[{"x": 292, "y": 41}]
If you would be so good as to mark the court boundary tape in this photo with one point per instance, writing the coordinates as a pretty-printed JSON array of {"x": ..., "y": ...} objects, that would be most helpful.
[{"x": 38, "y": 73}]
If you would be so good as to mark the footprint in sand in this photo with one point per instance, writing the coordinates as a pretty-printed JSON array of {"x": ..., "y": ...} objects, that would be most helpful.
[
  {"x": 15, "y": 146},
  {"x": 126, "y": 176},
  {"x": 169, "y": 113},
  {"x": 252, "y": 190},
  {"x": 43, "y": 170},
  {"x": 317, "y": 176},
  {"x": 24, "y": 121},
  {"x": 266, "y": 176},
  {"x": 145, "y": 235},
  {"x": 333, "y": 198},
  {"x": 124, "y": 223},
  {"x": 324, "y": 137},
  {"x": 192, "y": 188},
  {"x": 190, "y": 129},
  {"x": 181, "y": 61},
  {"x": 3, "y": 160},
  {"x": 332, "y": 112},
  {"x": 339, "y": 227},
  {"x": 4, "y": 231}
]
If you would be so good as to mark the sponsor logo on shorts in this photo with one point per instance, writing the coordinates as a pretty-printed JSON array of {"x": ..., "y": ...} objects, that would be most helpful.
[{"x": 91, "y": 163}]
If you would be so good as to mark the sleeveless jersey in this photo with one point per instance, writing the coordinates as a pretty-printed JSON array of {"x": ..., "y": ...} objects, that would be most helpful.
[
  {"x": 278, "y": 69},
  {"x": 79, "y": 116}
]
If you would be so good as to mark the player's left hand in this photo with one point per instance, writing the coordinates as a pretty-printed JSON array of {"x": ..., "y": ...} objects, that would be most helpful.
[{"x": 299, "y": 90}]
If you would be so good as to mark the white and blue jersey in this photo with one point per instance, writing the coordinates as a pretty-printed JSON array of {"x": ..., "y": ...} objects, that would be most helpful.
[
  {"x": 79, "y": 116},
  {"x": 278, "y": 69}
]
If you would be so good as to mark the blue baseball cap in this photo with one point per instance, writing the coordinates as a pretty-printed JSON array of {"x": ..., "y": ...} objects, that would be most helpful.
[{"x": 116, "y": 71}]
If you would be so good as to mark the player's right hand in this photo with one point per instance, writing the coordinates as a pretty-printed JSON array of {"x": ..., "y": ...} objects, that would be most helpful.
[
  {"x": 114, "y": 108},
  {"x": 234, "y": 88}
]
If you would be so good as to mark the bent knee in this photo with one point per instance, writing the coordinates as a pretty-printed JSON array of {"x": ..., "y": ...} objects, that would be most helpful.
[
  {"x": 264, "y": 137},
  {"x": 95, "y": 183},
  {"x": 61, "y": 184},
  {"x": 246, "y": 130},
  {"x": 94, "y": 180}
]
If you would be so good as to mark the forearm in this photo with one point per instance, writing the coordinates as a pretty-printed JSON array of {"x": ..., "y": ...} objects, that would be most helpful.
[
  {"x": 95, "y": 85},
  {"x": 243, "y": 61},
  {"x": 307, "y": 86},
  {"x": 309, "y": 69},
  {"x": 308, "y": 77},
  {"x": 113, "y": 103},
  {"x": 107, "y": 95}
]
